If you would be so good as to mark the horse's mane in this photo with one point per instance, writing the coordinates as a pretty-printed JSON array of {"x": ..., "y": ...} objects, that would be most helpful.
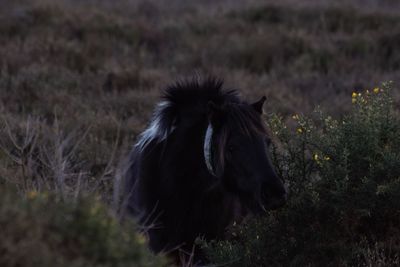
[
  {"x": 190, "y": 98},
  {"x": 199, "y": 92}
]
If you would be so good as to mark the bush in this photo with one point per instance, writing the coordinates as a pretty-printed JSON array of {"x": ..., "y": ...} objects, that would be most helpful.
[
  {"x": 39, "y": 230},
  {"x": 344, "y": 183}
]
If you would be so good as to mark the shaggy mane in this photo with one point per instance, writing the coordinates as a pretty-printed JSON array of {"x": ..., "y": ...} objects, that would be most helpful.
[
  {"x": 197, "y": 93},
  {"x": 191, "y": 98}
]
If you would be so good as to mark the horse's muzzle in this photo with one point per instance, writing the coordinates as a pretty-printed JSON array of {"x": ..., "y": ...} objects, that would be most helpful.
[{"x": 276, "y": 202}]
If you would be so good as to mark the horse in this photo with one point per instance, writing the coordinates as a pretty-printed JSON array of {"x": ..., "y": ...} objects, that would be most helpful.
[{"x": 202, "y": 163}]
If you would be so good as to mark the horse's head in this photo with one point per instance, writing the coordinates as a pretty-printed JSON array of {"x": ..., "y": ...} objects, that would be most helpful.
[{"x": 237, "y": 152}]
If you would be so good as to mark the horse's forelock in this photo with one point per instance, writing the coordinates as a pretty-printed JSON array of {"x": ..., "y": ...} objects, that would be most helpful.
[
  {"x": 238, "y": 117},
  {"x": 207, "y": 149},
  {"x": 242, "y": 117}
]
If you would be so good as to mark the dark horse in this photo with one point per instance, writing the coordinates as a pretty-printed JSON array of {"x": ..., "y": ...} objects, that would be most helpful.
[{"x": 201, "y": 164}]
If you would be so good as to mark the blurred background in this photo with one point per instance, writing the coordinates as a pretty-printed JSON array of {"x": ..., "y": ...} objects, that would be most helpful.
[{"x": 96, "y": 68}]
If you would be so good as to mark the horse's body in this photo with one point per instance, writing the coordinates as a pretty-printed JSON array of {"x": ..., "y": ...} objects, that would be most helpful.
[{"x": 180, "y": 183}]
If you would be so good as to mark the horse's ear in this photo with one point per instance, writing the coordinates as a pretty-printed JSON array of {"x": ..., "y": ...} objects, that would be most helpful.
[{"x": 259, "y": 104}]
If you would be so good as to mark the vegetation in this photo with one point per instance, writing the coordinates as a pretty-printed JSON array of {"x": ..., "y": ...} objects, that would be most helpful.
[
  {"x": 38, "y": 230},
  {"x": 78, "y": 82},
  {"x": 344, "y": 183}
]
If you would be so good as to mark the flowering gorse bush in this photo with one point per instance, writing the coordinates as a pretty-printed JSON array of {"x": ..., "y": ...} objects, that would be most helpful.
[
  {"x": 38, "y": 229},
  {"x": 343, "y": 177}
]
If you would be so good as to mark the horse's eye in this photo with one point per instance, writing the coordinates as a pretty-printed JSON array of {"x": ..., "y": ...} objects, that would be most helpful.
[{"x": 230, "y": 148}]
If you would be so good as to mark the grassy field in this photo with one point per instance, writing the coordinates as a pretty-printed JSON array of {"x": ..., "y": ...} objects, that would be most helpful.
[{"x": 79, "y": 79}]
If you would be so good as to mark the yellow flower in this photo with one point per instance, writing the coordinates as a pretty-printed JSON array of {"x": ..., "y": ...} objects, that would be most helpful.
[
  {"x": 299, "y": 130},
  {"x": 376, "y": 90},
  {"x": 353, "y": 100},
  {"x": 295, "y": 117},
  {"x": 32, "y": 194},
  {"x": 354, "y": 95},
  {"x": 327, "y": 158},
  {"x": 141, "y": 238},
  {"x": 315, "y": 157}
]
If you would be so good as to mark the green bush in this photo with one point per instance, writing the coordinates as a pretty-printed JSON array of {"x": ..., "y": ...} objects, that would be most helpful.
[
  {"x": 344, "y": 183},
  {"x": 39, "y": 230}
]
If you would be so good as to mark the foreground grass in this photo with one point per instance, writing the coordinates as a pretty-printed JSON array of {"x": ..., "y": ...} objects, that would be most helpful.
[{"x": 39, "y": 230}]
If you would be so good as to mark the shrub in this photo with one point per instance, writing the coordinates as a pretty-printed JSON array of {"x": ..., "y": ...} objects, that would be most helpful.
[
  {"x": 39, "y": 230},
  {"x": 344, "y": 182}
]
